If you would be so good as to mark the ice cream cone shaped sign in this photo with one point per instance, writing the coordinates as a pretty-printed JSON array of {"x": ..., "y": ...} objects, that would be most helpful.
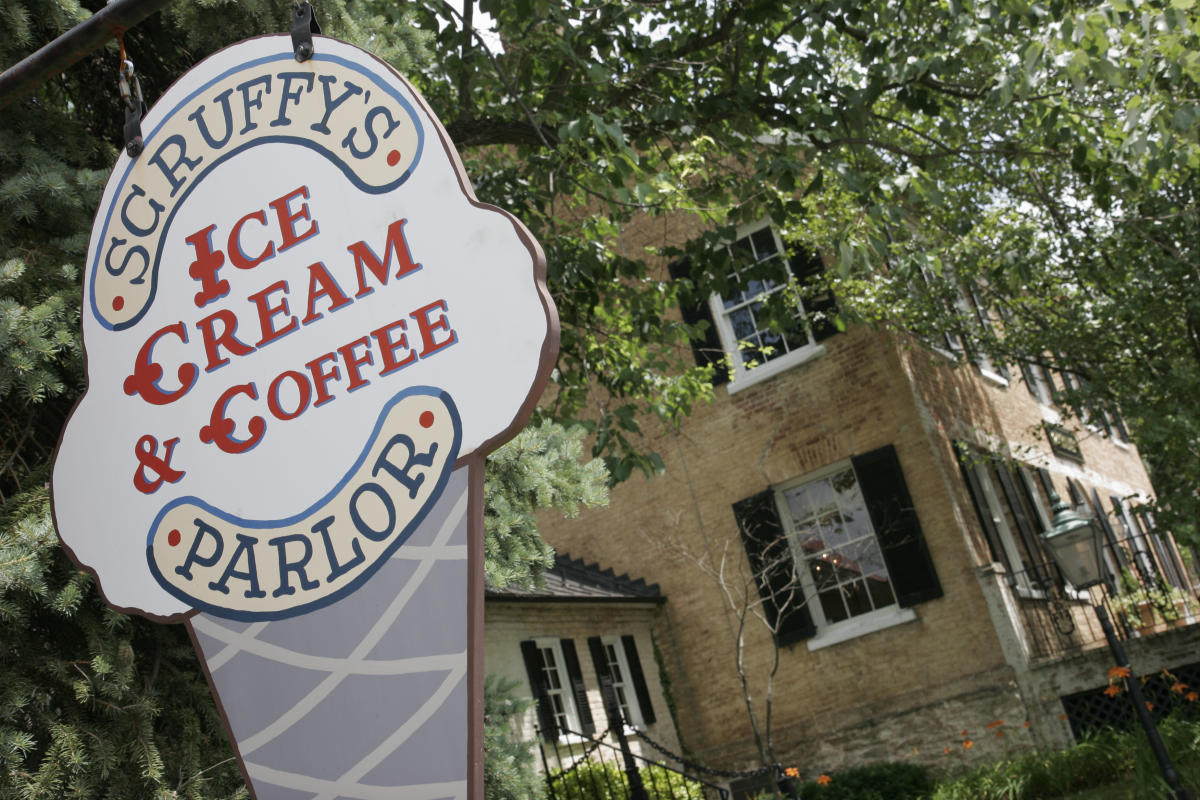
[{"x": 303, "y": 335}]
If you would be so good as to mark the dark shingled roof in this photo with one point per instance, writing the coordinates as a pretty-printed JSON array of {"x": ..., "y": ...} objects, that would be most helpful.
[{"x": 572, "y": 580}]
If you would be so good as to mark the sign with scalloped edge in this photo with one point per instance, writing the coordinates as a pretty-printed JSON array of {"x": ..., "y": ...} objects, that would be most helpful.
[{"x": 300, "y": 326}]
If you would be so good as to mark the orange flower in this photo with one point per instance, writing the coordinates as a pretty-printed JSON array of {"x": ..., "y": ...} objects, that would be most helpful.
[
  {"x": 1118, "y": 672},
  {"x": 964, "y": 733},
  {"x": 792, "y": 772},
  {"x": 1149, "y": 706},
  {"x": 824, "y": 780},
  {"x": 1192, "y": 697},
  {"x": 946, "y": 751},
  {"x": 968, "y": 744},
  {"x": 1025, "y": 724},
  {"x": 1178, "y": 687},
  {"x": 1062, "y": 717},
  {"x": 1113, "y": 690},
  {"x": 996, "y": 723}
]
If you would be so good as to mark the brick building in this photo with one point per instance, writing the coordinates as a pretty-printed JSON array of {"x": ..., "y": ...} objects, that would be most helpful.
[{"x": 887, "y": 498}]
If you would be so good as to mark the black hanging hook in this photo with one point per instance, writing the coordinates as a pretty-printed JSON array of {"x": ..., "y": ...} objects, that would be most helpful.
[
  {"x": 135, "y": 106},
  {"x": 304, "y": 25}
]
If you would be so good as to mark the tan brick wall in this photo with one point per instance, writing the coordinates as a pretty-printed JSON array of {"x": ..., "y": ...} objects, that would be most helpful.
[{"x": 852, "y": 400}]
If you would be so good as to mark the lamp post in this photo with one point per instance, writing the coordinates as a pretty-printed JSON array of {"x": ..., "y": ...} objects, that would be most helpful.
[{"x": 1075, "y": 544}]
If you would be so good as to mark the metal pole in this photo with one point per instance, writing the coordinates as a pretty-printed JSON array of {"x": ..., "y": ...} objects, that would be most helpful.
[
  {"x": 637, "y": 789},
  {"x": 541, "y": 742},
  {"x": 96, "y": 31},
  {"x": 1139, "y": 705}
]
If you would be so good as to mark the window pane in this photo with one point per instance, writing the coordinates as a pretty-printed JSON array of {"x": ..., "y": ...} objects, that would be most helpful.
[
  {"x": 743, "y": 323},
  {"x": 831, "y": 531},
  {"x": 881, "y": 592},
  {"x": 857, "y": 598},
  {"x": 764, "y": 243},
  {"x": 832, "y": 606},
  {"x": 823, "y": 573}
]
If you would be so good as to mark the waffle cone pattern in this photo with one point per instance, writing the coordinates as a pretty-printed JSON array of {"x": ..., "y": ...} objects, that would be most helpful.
[{"x": 366, "y": 698}]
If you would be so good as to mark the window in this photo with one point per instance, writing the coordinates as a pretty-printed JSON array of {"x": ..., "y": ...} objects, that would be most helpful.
[
  {"x": 622, "y": 682},
  {"x": 1097, "y": 418},
  {"x": 561, "y": 696},
  {"x": 761, "y": 274},
  {"x": 1039, "y": 382},
  {"x": 1013, "y": 512},
  {"x": 831, "y": 535},
  {"x": 974, "y": 322},
  {"x": 552, "y": 666},
  {"x": 838, "y": 553}
]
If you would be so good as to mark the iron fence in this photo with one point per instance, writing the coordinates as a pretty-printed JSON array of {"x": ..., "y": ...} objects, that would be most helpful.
[
  {"x": 603, "y": 766},
  {"x": 1142, "y": 601}
]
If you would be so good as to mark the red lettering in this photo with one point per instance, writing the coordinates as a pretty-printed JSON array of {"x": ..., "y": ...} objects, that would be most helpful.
[
  {"x": 352, "y": 363},
  {"x": 239, "y": 259},
  {"x": 287, "y": 218},
  {"x": 267, "y": 313},
  {"x": 328, "y": 287},
  {"x": 322, "y": 378},
  {"x": 364, "y": 256},
  {"x": 427, "y": 327},
  {"x": 219, "y": 429},
  {"x": 388, "y": 347},
  {"x": 303, "y": 390},
  {"x": 146, "y": 372},
  {"x": 204, "y": 268},
  {"x": 213, "y": 341}
]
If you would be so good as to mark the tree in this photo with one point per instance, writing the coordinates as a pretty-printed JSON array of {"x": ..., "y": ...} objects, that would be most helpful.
[
  {"x": 763, "y": 596},
  {"x": 1040, "y": 154},
  {"x": 511, "y": 773},
  {"x": 96, "y": 704}
]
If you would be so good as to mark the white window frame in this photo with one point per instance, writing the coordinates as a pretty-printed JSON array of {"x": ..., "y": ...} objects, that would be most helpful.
[
  {"x": 830, "y": 633},
  {"x": 565, "y": 692},
  {"x": 623, "y": 688},
  {"x": 744, "y": 377}
]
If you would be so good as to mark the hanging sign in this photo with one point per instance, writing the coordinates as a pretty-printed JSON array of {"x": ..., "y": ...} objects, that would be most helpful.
[{"x": 303, "y": 334}]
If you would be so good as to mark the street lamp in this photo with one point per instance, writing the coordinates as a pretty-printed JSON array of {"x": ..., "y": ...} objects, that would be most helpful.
[{"x": 1075, "y": 545}]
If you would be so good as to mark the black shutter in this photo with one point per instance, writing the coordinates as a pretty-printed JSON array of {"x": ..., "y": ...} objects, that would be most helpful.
[
  {"x": 545, "y": 711},
  {"x": 820, "y": 307},
  {"x": 982, "y": 510},
  {"x": 1109, "y": 537},
  {"x": 773, "y": 568},
  {"x": 1027, "y": 374},
  {"x": 578, "y": 689},
  {"x": 1047, "y": 484},
  {"x": 1025, "y": 526},
  {"x": 896, "y": 526},
  {"x": 1076, "y": 491},
  {"x": 640, "y": 689},
  {"x": 709, "y": 349},
  {"x": 600, "y": 662}
]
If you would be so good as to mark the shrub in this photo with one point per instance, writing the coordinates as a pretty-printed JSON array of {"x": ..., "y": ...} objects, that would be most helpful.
[
  {"x": 605, "y": 781},
  {"x": 884, "y": 781},
  {"x": 1104, "y": 759}
]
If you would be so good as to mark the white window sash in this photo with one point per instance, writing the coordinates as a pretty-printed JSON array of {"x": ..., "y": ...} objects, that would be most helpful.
[{"x": 627, "y": 690}]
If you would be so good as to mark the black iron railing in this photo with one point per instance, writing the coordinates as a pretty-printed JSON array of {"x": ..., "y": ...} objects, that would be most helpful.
[
  {"x": 1141, "y": 600},
  {"x": 603, "y": 766}
]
